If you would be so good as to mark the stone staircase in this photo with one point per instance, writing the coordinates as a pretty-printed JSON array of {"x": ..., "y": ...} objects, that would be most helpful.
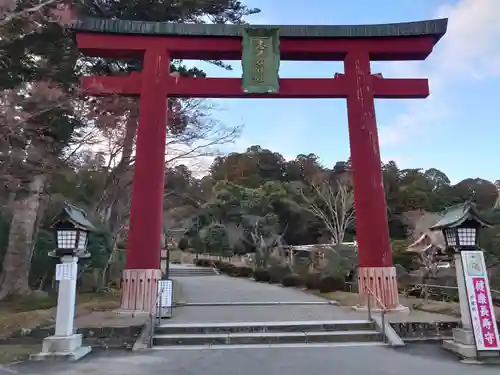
[
  {"x": 191, "y": 271},
  {"x": 266, "y": 334}
]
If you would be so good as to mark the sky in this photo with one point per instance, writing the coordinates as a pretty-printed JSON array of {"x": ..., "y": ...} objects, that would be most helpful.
[{"x": 456, "y": 129}]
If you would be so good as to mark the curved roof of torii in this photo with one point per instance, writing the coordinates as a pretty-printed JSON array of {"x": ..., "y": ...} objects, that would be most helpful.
[{"x": 436, "y": 28}]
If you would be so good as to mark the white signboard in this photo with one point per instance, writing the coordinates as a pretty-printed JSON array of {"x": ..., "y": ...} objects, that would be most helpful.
[
  {"x": 480, "y": 304},
  {"x": 66, "y": 271},
  {"x": 165, "y": 293}
]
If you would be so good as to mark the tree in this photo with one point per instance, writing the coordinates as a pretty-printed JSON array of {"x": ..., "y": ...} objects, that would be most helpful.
[
  {"x": 418, "y": 222},
  {"x": 428, "y": 262},
  {"x": 333, "y": 204},
  {"x": 41, "y": 110},
  {"x": 216, "y": 240}
]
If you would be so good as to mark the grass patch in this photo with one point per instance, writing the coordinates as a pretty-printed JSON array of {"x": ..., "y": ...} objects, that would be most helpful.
[
  {"x": 415, "y": 304},
  {"x": 30, "y": 303},
  {"x": 30, "y": 312},
  {"x": 438, "y": 307}
]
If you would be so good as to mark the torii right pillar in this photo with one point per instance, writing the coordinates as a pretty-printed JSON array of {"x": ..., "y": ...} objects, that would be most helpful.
[{"x": 376, "y": 274}]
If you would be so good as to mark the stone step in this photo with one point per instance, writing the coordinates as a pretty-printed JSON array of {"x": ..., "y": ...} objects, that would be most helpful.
[
  {"x": 193, "y": 275},
  {"x": 201, "y": 270},
  {"x": 264, "y": 327},
  {"x": 267, "y": 338},
  {"x": 191, "y": 272},
  {"x": 192, "y": 269},
  {"x": 270, "y": 346}
]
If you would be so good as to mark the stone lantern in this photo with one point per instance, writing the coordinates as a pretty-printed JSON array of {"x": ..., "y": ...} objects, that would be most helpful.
[
  {"x": 72, "y": 230},
  {"x": 461, "y": 225}
]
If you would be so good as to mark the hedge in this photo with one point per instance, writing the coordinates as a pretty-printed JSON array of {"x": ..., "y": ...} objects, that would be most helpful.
[
  {"x": 203, "y": 262},
  {"x": 313, "y": 281},
  {"x": 262, "y": 275},
  {"x": 277, "y": 273},
  {"x": 331, "y": 284},
  {"x": 293, "y": 279}
]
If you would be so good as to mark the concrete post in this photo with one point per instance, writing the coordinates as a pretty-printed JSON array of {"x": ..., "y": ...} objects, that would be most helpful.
[
  {"x": 462, "y": 294},
  {"x": 66, "y": 299},
  {"x": 463, "y": 341},
  {"x": 65, "y": 344}
]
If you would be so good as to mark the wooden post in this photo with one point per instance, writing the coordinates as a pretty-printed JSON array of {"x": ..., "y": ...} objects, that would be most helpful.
[
  {"x": 375, "y": 270},
  {"x": 142, "y": 267}
]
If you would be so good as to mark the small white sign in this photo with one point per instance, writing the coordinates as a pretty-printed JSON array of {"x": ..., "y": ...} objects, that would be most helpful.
[
  {"x": 480, "y": 304},
  {"x": 66, "y": 271},
  {"x": 165, "y": 292}
]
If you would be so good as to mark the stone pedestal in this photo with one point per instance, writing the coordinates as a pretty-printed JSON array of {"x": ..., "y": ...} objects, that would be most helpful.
[
  {"x": 65, "y": 344},
  {"x": 62, "y": 348},
  {"x": 463, "y": 342}
]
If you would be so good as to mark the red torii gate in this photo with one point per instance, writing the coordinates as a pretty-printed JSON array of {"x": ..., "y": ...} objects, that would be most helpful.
[{"x": 157, "y": 43}]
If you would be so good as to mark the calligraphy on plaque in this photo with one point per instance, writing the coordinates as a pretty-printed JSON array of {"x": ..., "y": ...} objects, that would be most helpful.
[{"x": 260, "y": 60}]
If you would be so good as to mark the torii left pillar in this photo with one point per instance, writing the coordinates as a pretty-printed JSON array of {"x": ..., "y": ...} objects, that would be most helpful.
[{"x": 142, "y": 267}]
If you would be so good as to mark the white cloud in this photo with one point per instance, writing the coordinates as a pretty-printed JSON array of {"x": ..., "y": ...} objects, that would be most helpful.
[
  {"x": 470, "y": 50},
  {"x": 471, "y": 47}
]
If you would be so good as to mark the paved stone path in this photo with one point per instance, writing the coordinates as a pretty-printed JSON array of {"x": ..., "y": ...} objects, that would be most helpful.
[
  {"x": 216, "y": 289},
  {"x": 420, "y": 359},
  {"x": 224, "y": 289}
]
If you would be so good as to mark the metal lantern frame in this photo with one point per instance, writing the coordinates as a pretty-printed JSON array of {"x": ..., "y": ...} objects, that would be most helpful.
[
  {"x": 71, "y": 231},
  {"x": 461, "y": 226},
  {"x": 465, "y": 236},
  {"x": 68, "y": 236}
]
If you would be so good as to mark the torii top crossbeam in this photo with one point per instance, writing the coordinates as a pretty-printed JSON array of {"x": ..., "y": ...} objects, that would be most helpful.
[
  {"x": 385, "y": 42},
  {"x": 397, "y": 41}
]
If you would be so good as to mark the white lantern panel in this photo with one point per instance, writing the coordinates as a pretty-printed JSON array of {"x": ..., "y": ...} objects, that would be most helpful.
[
  {"x": 66, "y": 239},
  {"x": 82, "y": 240},
  {"x": 467, "y": 236},
  {"x": 450, "y": 237}
]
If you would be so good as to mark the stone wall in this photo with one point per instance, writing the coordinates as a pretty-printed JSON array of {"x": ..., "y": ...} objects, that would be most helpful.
[{"x": 97, "y": 337}]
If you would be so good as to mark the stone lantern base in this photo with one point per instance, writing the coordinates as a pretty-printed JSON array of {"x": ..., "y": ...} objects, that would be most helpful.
[
  {"x": 66, "y": 348},
  {"x": 463, "y": 345}
]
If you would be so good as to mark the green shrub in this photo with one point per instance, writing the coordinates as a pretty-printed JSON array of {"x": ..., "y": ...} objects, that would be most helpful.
[
  {"x": 203, "y": 262},
  {"x": 242, "y": 271},
  {"x": 331, "y": 284},
  {"x": 293, "y": 279},
  {"x": 183, "y": 243},
  {"x": 222, "y": 266},
  {"x": 233, "y": 271},
  {"x": 277, "y": 273},
  {"x": 229, "y": 268},
  {"x": 406, "y": 260},
  {"x": 313, "y": 281},
  {"x": 262, "y": 275}
]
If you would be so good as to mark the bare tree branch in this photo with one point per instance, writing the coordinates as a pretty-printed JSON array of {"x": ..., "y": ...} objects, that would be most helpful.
[{"x": 333, "y": 206}]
